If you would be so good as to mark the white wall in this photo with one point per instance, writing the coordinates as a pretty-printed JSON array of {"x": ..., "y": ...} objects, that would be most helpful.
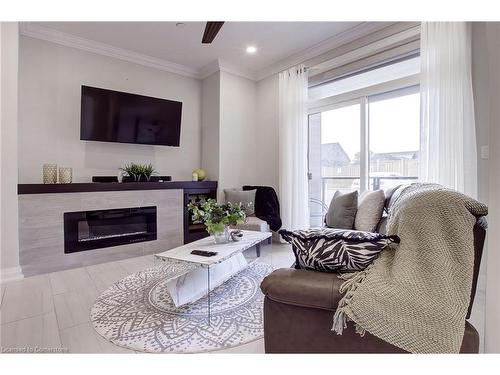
[
  {"x": 486, "y": 86},
  {"x": 50, "y": 79},
  {"x": 238, "y": 132},
  {"x": 480, "y": 81},
  {"x": 267, "y": 131},
  {"x": 9, "y": 258},
  {"x": 492, "y": 327},
  {"x": 210, "y": 120}
]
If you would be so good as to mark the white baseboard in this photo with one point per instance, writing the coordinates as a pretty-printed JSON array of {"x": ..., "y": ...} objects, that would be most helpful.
[{"x": 11, "y": 274}]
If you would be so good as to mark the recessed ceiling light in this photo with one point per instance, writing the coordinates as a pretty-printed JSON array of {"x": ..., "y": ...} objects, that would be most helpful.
[
  {"x": 251, "y": 49},
  {"x": 180, "y": 24}
]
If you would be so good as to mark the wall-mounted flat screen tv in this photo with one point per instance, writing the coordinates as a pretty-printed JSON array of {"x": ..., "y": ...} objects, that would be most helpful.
[{"x": 113, "y": 116}]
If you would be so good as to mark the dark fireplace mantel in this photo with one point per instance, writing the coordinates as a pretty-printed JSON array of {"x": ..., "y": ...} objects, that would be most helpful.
[
  {"x": 112, "y": 186},
  {"x": 41, "y": 221},
  {"x": 189, "y": 189}
]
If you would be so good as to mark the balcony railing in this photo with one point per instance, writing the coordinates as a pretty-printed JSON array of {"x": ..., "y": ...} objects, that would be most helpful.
[{"x": 320, "y": 204}]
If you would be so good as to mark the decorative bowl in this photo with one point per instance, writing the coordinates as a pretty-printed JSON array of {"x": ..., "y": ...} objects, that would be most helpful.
[{"x": 236, "y": 235}]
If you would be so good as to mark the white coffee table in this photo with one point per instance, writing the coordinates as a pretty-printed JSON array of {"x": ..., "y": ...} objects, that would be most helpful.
[{"x": 203, "y": 274}]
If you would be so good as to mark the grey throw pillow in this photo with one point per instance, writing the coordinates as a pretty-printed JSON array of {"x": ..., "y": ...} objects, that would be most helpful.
[
  {"x": 245, "y": 197},
  {"x": 342, "y": 210},
  {"x": 370, "y": 208}
]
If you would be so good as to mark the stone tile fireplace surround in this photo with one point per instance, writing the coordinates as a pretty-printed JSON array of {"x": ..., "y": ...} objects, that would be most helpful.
[{"x": 41, "y": 226}]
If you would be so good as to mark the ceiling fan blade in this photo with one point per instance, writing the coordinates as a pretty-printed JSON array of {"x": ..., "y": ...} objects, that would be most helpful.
[{"x": 211, "y": 31}]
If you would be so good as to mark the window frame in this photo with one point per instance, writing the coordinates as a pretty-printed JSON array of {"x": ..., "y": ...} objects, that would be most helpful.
[
  {"x": 407, "y": 85},
  {"x": 332, "y": 102}
]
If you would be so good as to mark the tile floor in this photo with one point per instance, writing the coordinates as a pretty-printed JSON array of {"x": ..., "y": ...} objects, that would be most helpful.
[{"x": 53, "y": 310}]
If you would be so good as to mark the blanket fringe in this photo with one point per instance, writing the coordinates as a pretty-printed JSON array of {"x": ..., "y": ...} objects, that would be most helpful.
[
  {"x": 339, "y": 321},
  {"x": 346, "y": 276},
  {"x": 360, "y": 330},
  {"x": 340, "y": 318}
]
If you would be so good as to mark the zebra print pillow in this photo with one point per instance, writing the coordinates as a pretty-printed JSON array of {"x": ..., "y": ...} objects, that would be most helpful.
[{"x": 335, "y": 250}]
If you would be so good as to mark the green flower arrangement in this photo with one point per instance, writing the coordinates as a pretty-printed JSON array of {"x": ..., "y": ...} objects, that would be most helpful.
[{"x": 217, "y": 216}]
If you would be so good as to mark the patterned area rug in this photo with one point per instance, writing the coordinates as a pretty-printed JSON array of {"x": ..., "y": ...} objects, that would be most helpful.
[{"x": 137, "y": 313}]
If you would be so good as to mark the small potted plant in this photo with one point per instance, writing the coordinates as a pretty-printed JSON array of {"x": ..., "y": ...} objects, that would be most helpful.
[
  {"x": 138, "y": 172},
  {"x": 148, "y": 171},
  {"x": 218, "y": 217}
]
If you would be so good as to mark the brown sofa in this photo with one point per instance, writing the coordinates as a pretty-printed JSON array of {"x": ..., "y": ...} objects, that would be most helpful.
[{"x": 299, "y": 307}]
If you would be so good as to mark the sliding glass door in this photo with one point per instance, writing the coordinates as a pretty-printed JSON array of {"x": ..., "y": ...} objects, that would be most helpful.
[
  {"x": 371, "y": 142},
  {"x": 394, "y": 138},
  {"x": 333, "y": 144}
]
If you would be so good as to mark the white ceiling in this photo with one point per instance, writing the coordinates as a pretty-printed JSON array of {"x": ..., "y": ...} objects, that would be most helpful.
[{"x": 182, "y": 45}]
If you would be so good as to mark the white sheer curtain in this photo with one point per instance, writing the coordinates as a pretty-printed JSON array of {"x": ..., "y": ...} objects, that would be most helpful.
[
  {"x": 448, "y": 134},
  {"x": 293, "y": 148}
]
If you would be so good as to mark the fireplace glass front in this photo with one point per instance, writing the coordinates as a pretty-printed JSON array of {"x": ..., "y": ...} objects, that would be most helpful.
[{"x": 87, "y": 230}]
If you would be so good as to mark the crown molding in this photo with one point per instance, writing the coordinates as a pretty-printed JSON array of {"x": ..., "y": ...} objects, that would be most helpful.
[
  {"x": 44, "y": 33},
  {"x": 234, "y": 70},
  {"x": 224, "y": 66},
  {"x": 209, "y": 69},
  {"x": 68, "y": 40},
  {"x": 326, "y": 45}
]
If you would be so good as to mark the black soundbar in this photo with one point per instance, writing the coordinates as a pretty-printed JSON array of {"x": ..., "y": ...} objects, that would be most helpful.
[
  {"x": 108, "y": 179},
  {"x": 104, "y": 179}
]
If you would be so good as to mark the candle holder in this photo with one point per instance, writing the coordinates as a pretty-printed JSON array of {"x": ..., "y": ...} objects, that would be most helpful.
[
  {"x": 65, "y": 175},
  {"x": 50, "y": 173}
]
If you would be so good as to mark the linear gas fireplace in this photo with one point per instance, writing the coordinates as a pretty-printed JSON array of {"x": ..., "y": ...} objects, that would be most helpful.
[{"x": 87, "y": 230}]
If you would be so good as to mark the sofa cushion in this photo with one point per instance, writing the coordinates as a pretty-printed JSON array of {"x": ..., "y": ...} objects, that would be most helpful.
[
  {"x": 392, "y": 195},
  {"x": 336, "y": 250},
  {"x": 303, "y": 288},
  {"x": 245, "y": 197},
  {"x": 388, "y": 194},
  {"x": 342, "y": 210},
  {"x": 382, "y": 225},
  {"x": 370, "y": 208},
  {"x": 253, "y": 223},
  {"x": 297, "y": 318}
]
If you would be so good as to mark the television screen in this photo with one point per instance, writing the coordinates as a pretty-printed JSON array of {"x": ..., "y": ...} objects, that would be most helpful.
[{"x": 113, "y": 116}]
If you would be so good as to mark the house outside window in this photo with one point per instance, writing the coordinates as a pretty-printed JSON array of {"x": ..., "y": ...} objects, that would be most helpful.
[{"x": 366, "y": 138}]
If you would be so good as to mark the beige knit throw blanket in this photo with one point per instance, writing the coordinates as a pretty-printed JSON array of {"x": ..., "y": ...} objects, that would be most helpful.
[{"x": 416, "y": 294}]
